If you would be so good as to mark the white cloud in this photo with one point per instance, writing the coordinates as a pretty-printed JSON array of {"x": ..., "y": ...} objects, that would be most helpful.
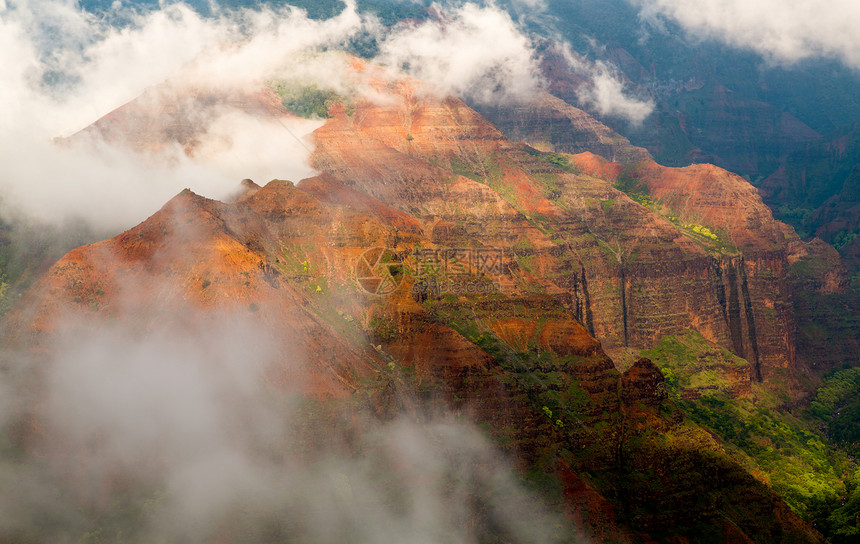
[
  {"x": 528, "y": 8},
  {"x": 478, "y": 53},
  {"x": 186, "y": 409},
  {"x": 54, "y": 87},
  {"x": 243, "y": 146},
  {"x": 607, "y": 95},
  {"x": 779, "y": 30},
  {"x": 604, "y": 91},
  {"x": 472, "y": 51}
]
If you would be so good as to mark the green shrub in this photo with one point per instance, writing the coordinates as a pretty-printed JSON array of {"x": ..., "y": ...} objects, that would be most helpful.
[{"x": 307, "y": 101}]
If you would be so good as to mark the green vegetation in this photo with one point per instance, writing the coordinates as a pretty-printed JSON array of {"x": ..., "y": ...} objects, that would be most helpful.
[
  {"x": 796, "y": 216},
  {"x": 646, "y": 473},
  {"x": 700, "y": 229},
  {"x": 628, "y": 182},
  {"x": 842, "y": 524},
  {"x": 28, "y": 250},
  {"x": 839, "y": 388},
  {"x": 558, "y": 160},
  {"x": 688, "y": 361},
  {"x": 478, "y": 168},
  {"x": 5, "y": 299},
  {"x": 843, "y": 238},
  {"x": 826, "y": 323},
  {"x": 383, "y": 329},
  {"x": 545, "y": 378},
  {"x": 837, "y": 406},
  {"x": 810, "y": 267},
  {"x": 308, "y": 101},
  {"x": 788, "y": 451},
  {"x": 295, "y": 265},
  {"x": 799, "y": 464}
]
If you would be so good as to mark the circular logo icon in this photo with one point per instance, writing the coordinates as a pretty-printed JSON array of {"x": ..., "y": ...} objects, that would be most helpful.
[{"x": 379, "y": 271}]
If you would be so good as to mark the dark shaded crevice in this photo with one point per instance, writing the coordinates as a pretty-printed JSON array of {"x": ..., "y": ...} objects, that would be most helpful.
[
  {"x": 589, "y": 315},
  {"x": 624, "y": 304},
  {"x": 734, "y": 311},
  {"x": 578, "y": 304},
  {"x": 578, "y": 300},
  {"x": 720, "y": 289},
  {"x": 750, "y": 323}
]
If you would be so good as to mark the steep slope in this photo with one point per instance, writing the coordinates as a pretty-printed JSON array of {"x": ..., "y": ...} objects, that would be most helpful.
[
  {"x": 291, "y": 258},
  {"x": 190, "y": 256},
  {"x": 490, "y": 270},
  {"x": 815, "y": 189},
  {"x": 767, "y": 272},
  {"x": 630, "y": 273},
  {"x": 548, "y": 123},
  {"x": 736, "y": 132},
  {"x": 595, "y": 238}
]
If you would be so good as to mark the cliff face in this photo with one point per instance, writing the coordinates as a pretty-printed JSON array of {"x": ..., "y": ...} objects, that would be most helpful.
[
  {"x": 816, "y": 190},
  {"x": 499, "y": 276},
  {"x": 548, "y": 123},
  {"x": 748, "y": 257},
  {"x": 631, "y": 267},
  {"x": 196, "y": 255},
  {"x": 292, "y": 257},
  {"x": 629, "y": 274},
  {"x": 814, "y": 173},
  {"x": 721, "y": 114}
]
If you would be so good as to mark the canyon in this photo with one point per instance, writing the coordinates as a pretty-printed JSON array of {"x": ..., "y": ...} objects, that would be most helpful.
[{"x": 436, "y": 259}]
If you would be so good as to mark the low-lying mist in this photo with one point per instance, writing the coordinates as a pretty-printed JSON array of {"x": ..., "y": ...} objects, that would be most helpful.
[{"x": 171, "y": 432}]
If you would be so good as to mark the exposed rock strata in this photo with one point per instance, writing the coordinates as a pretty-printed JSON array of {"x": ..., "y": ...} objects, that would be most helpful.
[
  {"x": 578, "y": 261},
  {"x": 551, "y": 124}
]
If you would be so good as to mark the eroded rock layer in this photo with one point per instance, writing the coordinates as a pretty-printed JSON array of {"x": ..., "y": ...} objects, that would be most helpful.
[{"x": 499, "y": 276}]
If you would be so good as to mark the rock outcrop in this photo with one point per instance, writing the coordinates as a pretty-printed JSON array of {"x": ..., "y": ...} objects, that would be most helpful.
[{"x": 548, "y": 123}]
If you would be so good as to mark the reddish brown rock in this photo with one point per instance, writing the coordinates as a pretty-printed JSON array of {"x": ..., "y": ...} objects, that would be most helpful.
[
  {"x": 178, "y": 113},
  {"x": 750, "y": 284},
  {"x": 548, "y": 123},
  {"x": 643, "y": 383},
  {"x": 579, "y": 264}
]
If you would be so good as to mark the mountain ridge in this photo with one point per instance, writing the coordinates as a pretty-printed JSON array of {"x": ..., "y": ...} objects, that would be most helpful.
[{"x": 516, "y": 342}]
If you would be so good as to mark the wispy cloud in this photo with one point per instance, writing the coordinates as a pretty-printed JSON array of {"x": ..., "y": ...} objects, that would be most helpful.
[
  {"x": 475, "y": 52},
  {"x": 604, "y": 90},
  {"x": 64, "y": 68},
  {"x": 55, "y": 87},
  {"x": 780, "y": 30}
]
